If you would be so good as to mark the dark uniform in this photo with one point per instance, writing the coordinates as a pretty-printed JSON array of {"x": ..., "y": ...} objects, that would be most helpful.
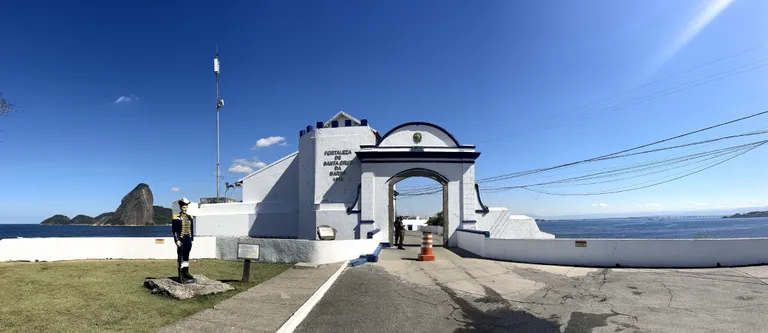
[
  {"x": 399, "y": 233},
  {"x": 183, "y": 228}
]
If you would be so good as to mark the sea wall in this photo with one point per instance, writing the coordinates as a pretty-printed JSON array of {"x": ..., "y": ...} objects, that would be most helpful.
[
  {"x": 299, "y": 250},
  {"x": 623, "y": 252},
  {"x": 74, "y": 248},
  {"x": 271, "y": 250}
]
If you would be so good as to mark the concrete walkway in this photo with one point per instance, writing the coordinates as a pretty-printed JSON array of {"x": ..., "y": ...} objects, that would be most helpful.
[{"x": 263, "y": 308}]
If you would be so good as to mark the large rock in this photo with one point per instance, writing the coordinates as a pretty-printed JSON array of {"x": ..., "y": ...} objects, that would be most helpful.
[
  {"x": 82, "y": 219},
  {"x": 57, "y": 219},
  {"x": 163, "y": 215},
  {"x": 103, "y": 218},
  {"x": 135, "y": 208},
  {"x": 202, "y": 286}
]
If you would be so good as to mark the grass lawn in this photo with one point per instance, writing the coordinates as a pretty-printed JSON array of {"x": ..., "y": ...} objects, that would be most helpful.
[{"x": 107, "y": 295}]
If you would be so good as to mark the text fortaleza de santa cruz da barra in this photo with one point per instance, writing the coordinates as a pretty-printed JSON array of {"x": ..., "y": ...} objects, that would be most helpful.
[{"x": 337, "y": 162}]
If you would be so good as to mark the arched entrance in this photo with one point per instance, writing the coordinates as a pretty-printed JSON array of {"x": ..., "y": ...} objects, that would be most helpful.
[
  {"x": 426, "y": 173},
  {"x": 417, "y": 150}
]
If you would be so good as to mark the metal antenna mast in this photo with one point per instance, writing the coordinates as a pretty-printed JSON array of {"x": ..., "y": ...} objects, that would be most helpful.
[{"x": 219, "y": 104}]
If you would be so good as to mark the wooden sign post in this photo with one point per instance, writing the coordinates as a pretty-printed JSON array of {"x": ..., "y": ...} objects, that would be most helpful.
[{"x": 247, "y": 252}]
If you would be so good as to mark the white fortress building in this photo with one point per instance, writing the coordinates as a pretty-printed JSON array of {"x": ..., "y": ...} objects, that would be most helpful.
[{"x": 344, "y": 176}]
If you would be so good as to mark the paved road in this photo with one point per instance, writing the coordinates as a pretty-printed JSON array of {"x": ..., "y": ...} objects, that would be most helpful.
[
  {"x": 465, "y": 294},
  {"x": 413, "y": 239}
]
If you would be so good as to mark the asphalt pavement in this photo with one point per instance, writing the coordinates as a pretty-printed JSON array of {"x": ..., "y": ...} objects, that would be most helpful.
[{"x": 461, "y": 293}]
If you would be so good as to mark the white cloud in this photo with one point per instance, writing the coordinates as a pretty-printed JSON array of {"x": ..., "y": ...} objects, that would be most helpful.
[
  {"x": 123, "y": 99},
  {"x": 600, "y": 205},
  {"x": 266, "y": 142},
  {"x": 242, "y": 165},
  {"x": 237, "y": 168},
  {"x": 252, "y": 164},
  {"x": 695, "y": 25},
  {"x": 697, "y": 204},
  {"x": 283, "y": 143},
  {"x": 174, "y": 189}
]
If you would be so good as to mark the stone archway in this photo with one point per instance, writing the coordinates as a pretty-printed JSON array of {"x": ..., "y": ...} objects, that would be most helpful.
[
  {"x": 417, "y": 149},
  {"x": 426, "y": 173}
]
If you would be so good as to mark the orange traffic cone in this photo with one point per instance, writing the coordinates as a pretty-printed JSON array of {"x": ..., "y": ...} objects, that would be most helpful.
[{"x": 426, "y": 247}]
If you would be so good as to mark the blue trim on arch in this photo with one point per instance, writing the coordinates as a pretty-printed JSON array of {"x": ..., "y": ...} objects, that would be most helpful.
[
  {"x": 441, "y": 179},
  {"x": 367, "y": 221},
  {"x": 456, "y": 142},
  {"x": 411, "y": 147},
  {"x": 427, "y": 156}
]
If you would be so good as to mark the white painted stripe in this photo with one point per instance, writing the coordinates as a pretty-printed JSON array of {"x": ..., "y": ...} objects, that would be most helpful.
[
  {"x": 184, "y": 264},
  {"x": 292, "y": 323}
]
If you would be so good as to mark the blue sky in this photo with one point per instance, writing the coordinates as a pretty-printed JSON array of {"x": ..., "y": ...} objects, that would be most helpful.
[{"x": 117, "y": 93}]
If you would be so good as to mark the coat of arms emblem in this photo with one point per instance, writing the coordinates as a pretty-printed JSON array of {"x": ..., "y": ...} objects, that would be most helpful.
[{"x": 416, "y": 137}]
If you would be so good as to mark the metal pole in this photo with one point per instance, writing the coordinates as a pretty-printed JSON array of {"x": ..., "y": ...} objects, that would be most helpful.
[
  {"x": 246, "y": 270},
  {"x": 218, "y": 177}
]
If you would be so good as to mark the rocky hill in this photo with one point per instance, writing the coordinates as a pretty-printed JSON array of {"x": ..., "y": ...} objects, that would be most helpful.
[
  {"x": 57, "y": 219},
  {"x": 750, "y": 214},
  {"x": 136, "y": 209}
]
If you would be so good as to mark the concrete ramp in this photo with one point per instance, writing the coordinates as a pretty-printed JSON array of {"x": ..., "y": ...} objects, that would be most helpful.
[{"x": 503, "y": 225}]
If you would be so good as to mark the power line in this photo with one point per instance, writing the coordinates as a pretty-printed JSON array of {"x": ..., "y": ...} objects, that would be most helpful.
[
  {"x": 647, "y": 186},
  {"x": 620, "y": 154},
  {"x": 407, "y": 190},
  {"x": 643, "y": 99},
  {"x": 533, "y": 171},
  {"x": 625, "y": 150},
  {"x": 715, "y": 154},
  {"x": 665, "y": 92}
]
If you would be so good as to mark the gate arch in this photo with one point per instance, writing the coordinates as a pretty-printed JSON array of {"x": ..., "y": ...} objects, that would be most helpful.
[
  {"x": 423, "y": 150},
  {"x": 415, "y": 172}
]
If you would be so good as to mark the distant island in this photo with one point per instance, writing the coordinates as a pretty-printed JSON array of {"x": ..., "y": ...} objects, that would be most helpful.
[
  {"x": 136, "y": 209},
  {"x": 750, "y": 214}
]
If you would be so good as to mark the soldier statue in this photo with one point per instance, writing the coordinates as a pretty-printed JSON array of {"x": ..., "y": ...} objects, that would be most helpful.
[{"x": 183, "y": 228}]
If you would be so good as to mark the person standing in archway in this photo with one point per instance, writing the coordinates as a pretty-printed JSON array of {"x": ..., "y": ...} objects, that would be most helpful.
[{"x": 399, "y": 232}]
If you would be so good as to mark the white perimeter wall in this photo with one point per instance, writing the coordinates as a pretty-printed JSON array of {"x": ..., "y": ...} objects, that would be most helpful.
[
  {"x": 415, "y": 223},
  {"x": 72, "y": 248},
  {"x": 300, "y": 250},
  {"x": 433, "y": 229},
  {"x": 625, "y": 252}
]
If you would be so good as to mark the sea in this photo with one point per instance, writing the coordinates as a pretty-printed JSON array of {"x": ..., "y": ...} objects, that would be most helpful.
[
  {"x": 653, "y": 228},
  {"x": 37, "y": 230},
  {"x": 658, "y": 228}
]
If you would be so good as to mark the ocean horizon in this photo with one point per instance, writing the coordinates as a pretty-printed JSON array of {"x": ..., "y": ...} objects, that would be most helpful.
[{"x": 618, "y": 228}]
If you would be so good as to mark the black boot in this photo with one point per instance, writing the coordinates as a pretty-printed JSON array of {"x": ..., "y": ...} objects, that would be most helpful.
[
  {"x": 179, "y": 275},
  {"x": 186, "y": 274}
]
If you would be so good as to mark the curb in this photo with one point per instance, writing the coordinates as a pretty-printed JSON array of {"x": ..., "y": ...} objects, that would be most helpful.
[{"x": 295, "y": 320}]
